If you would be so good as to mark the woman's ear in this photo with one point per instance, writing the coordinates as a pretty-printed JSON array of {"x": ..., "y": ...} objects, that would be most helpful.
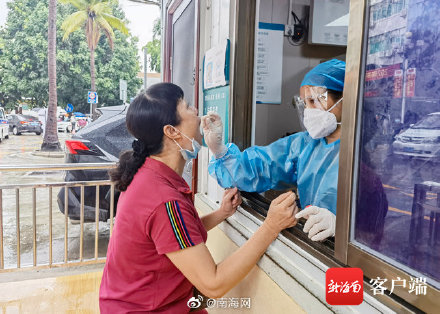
[{"x": 171, "y": 132}]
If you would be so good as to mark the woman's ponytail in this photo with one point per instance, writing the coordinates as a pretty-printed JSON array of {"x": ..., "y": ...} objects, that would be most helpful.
[
  {"x": 129, "y": 163},
  {"x": 146, "y": 116}
]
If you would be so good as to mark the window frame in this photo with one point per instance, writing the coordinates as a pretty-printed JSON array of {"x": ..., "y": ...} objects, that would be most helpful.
[
  {"x": 345, "y": 251},
  {"x": 171, "y": 6},
  {"x": 242, "y": 98}
]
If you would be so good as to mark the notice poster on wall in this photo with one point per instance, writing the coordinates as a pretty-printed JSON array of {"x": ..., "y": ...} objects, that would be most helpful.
[
  {"x": 216, "y": 66},
  {"x": 269, "y": 63},
  {"x": 217, "y": 100}
]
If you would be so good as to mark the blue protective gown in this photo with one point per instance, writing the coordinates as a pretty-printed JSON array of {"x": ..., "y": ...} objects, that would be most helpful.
[{"x": 311, "y": 165}]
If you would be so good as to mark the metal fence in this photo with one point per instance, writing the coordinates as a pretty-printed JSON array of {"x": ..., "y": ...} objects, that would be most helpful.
[{"x": 49, "y": 187}]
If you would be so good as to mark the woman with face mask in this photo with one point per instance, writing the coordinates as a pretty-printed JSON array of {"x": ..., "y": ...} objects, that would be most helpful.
[
  {"x": 157, "y": 252},
  {"x": 309, "y": 160}
]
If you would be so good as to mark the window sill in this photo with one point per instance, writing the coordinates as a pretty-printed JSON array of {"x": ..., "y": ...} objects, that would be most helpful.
[{"x": 289, "y": 263}]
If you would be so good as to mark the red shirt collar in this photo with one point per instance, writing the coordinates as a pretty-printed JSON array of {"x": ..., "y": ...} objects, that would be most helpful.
[{"x": 169, "y": 174}]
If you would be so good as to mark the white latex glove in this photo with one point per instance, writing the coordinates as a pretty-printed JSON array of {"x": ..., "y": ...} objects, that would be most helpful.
[
  {"x": 213, "y": 132},
  {"x": 321, "y": 223}
]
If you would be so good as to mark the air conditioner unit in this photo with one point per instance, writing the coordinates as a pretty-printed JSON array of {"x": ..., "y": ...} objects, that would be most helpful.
[{"x": 389, "y": 52}]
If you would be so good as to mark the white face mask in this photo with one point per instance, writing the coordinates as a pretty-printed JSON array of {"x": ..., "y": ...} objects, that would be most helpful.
[
  {"x": 320, "y": 123},
  {"x": 186, "y": 153}
]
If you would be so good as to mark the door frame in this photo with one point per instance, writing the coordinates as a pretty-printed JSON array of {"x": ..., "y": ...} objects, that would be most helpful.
[{"x": 171, "y": 10}]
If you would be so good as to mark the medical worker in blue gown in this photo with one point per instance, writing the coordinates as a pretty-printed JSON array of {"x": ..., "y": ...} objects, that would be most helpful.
[{"x": 308, "y": 159}]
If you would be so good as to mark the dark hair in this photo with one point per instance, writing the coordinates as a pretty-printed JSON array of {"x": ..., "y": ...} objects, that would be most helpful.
[
  {"x": 336, "y": 95},
  {"x": 146, "y": 116}
]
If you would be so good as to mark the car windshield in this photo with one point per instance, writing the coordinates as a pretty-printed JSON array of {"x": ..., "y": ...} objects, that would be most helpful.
[
  {"x": 30, "y": 118},
  {"x": 430, "y": 122}
]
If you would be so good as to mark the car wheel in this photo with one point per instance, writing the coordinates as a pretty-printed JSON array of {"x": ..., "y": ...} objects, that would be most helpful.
[
  {"x": 15, "y": 130},
  {"x": 7, "y": 136},
  {"x": 38, "y": 133}
]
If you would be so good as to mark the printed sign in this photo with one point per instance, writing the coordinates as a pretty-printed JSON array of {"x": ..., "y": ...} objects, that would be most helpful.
[
  {"x": 410, "y": 82},
  {"x": 69, "y": 108},
  {"x": 216, "y": 66},
  {"x": 269, "y": 63},
  {"x": 398, "y": 83},
  {"x": 217, "y": 100},
  {"x": 92, "y": 98}
]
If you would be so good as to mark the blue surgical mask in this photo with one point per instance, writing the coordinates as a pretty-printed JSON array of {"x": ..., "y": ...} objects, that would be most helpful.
[{"x": 187, "y": 154}]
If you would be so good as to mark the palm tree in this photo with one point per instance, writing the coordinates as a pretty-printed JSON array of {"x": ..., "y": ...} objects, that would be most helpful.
[
  {"x": 95, "y": 17},
  {"x": 154, "y": 2},
  {"x": 50, "y": 141}
]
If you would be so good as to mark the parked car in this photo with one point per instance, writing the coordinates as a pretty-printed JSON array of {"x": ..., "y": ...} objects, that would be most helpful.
[
  {"x": 19, "y": 124},
  {"x": 4, "y": 127},
  {"x": 81, "y": 122},
  {"x": 99, "y": 141},
  {"x": 420, "y": 140},
  {"x": 65, "y": 126}
]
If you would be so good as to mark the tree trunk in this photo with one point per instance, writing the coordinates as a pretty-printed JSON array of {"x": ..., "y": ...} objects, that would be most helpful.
[
  {"x": 92, "y": 78},
  {"x": 50, "y": 141}
]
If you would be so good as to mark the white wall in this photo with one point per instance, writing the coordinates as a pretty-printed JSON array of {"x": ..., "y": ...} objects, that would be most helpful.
[{"x": 274, "y": 121}]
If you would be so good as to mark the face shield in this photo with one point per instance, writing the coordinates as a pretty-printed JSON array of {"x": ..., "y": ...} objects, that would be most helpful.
[
  {"x": 298, "y": 104},
  {"x": 315, "y": 97}
]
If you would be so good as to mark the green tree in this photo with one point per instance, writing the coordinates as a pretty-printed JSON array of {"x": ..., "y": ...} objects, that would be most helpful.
[
  {"x": 154, "y": 2},
  {"x": 23, "y": 63},
  {"x": 153, "y": 47},
  {"x": 24, "y": 58},
  {"x": 95, "y": 17},
  {"x": 2, "y": 93}
]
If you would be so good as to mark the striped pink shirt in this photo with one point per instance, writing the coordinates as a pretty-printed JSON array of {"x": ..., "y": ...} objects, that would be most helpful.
[{"x": 155, "y": 216}]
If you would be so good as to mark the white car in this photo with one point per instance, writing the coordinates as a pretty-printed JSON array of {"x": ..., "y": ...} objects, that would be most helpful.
[
  {"x": 421, "y": 140},
  {"x": 66, "y": 126},
  {"x": 4, "y": 126}
]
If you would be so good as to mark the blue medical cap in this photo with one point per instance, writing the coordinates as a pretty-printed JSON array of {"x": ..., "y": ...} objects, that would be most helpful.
[{"x": 330, "y": 74}]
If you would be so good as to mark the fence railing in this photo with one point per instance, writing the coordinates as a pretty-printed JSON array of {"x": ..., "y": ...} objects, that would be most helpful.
[{"x": 50, "y": 186}]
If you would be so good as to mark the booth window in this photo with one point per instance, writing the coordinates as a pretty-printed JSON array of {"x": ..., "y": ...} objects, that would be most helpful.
[
  {"x": 396, "y": 212},
  {"x": 392, "y": 203}
]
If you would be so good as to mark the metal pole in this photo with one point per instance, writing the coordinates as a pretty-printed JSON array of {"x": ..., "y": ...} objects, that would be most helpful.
[
  {"x": 50, "y": 227},
  {"x": 81, "y": 234},
  {"x": 17, "y": 218},
  {"x": 402, "y": 115},
  {"x": 145, "y": 67},
  {"x": 96, "y": 221},
  {"x": 2, "y": 264},
  {"x": 34, "y": 222},
  {"x": 66, "y": 227}
]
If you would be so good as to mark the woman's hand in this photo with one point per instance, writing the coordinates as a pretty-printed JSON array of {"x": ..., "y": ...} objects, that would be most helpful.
[
  {"x": 213, "y": 132},
  {"x": 231, "y": 200},
  {"x": 281, "y": 214}
]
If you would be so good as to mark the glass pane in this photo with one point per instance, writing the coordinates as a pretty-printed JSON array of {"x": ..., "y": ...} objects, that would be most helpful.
[{"x": 397, "y": 209}]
